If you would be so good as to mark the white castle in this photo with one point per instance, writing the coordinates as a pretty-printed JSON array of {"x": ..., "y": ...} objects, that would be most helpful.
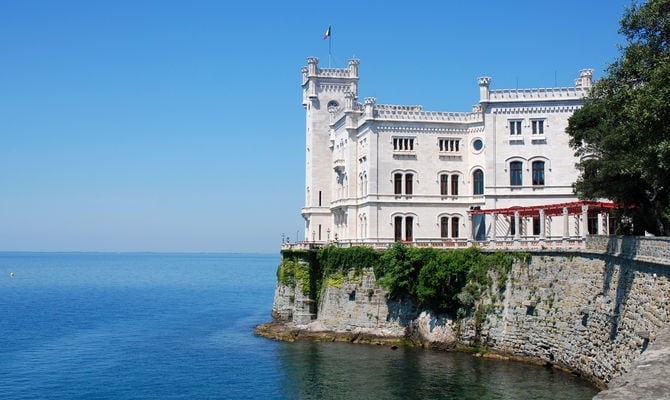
[{"x": 380, "y": 173}]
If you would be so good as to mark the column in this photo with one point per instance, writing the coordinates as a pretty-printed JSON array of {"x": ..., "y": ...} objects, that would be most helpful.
[
  {"x": 585, "y": 221},
  {"x": 469, "y": 229},
  {"x": 517, "y": 226},
  {"x": 566, "y": 223},
  {"x": 494, "y": 224},
  {"x": 542, "y": 223}
]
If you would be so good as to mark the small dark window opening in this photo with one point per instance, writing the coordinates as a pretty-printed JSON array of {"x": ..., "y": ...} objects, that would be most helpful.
[
  {"x": 444, "y": 184},
  {"x": 408, "y": 183},
  {"x": 397, "y": 183},
  {"x": 398, "y": 228},
  {"x": 409, "y": 235},
  {"x": 444, "y": 227},
  {"x": 536, "y": 226}
]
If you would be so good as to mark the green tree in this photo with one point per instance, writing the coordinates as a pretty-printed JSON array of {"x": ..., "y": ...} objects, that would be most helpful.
[{"x": 622, "y": 133}]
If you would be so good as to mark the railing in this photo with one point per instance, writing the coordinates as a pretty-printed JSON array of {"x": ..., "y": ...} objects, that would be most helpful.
[
  {"x": 654, "y": 250},
  {"x": 512, "y": 244}
]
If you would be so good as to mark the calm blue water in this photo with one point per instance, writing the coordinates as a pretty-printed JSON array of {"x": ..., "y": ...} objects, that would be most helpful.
[{"x": 180, "y": 326}]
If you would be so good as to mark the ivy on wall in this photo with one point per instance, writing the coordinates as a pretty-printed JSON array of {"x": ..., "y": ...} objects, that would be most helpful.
[{"x": 443, "y": 281}]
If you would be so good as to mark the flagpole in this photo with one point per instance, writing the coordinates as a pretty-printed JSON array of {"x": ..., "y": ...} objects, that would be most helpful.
[{"x": 328, "y": 36}]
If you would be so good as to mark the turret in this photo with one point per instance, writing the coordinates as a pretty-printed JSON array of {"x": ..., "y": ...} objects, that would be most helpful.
[
  {"x": 585, "y": 80},
  {"x": 325, "y": 91},
  {"x": 484, "y": 83}
]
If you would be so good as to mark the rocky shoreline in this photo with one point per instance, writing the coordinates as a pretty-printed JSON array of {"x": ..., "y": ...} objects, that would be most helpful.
[
  {"x": 314, "y": 332},
  {"x": 291, "y": 333}
]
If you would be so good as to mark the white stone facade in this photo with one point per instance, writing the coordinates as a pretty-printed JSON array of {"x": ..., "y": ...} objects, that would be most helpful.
[{"x": 380, "y": 173}]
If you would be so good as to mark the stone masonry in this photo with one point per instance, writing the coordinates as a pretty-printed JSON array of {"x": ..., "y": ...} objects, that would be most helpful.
[{"x": 591, "y": 311}]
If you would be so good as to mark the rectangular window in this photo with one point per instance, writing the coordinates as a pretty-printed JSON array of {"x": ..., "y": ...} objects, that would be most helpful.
[
  {"x": 444, "y": 227},
  {"x": 449, "y": 145},
  {"x": 537, "y": 126},
  {"x": 454, "y": 227},
  {"x": 319, "y": 198},
  {"x": 515, "y": 171},
  {"x": 454, "y": 185},
  {"x": 409, "y": 236},
  {"x": 444, "y": 184},
  {"x": 536, "y": 226},
  {"x": 397, "y": 222},
  {"x": 538, "y": 173},
  {"x": 408, "y": 183},
  {"x": 512, "y": 226},
  {"x": 515, "y": 127},
  {"x": 397, "y": 183},
  {"x": 592, "y": 223},
  {"x": 403, "y": 144}
]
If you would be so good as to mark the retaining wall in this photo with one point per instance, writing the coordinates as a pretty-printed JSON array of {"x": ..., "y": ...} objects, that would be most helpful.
[{"x": 593, "y": 311}]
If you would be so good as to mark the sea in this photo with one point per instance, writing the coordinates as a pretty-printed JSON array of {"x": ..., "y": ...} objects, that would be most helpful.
[{"x": 181, "y": 326}]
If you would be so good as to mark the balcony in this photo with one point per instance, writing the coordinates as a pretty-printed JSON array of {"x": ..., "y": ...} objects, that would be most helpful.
[{"x": 338, "y": 165}]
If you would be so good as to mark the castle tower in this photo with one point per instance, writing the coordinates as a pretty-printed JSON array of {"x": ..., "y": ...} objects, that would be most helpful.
[{"x": 325, "y": 92}]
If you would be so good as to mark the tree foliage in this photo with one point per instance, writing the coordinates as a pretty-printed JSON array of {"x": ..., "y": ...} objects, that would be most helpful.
[
  {"x": 622, "y": 133},
  {"x": 444, "y": 281}
]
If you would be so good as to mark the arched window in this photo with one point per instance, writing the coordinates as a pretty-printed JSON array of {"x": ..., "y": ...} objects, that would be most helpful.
[
  {"x": 409, "y": 231},
  {"x": 444, "y": 184},
  {"x": 444, "y": 227},
  {"x": 538, "y": 173},
  {"x": 397, "y": 228},
  {"x": 397, "y": 183},
  {"x": 454, "y": 227},
  {"x": 454, "y": 185},
  {"x": 515, "y": 170},
  {"x": 478, "y": 182},
  {"x": 403, "y": 183}
]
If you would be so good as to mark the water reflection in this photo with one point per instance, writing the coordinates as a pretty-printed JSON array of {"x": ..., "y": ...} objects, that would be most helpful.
[{"x": 345, "y": 371}]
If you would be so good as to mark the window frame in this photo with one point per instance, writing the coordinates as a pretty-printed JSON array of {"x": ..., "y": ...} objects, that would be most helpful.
[
  {"x": 478, "y": 182},
  {"x": 444, "y": 184},
  {"x": 444, "y": 227},
  {"x": 453, "y": 186},
  {"x": 397, "y": 183},
  {"x": 538, "y": 175},
  {"x": 455, "y": 221},
  {"x": 516, "y": 173},
  {"x": 515, "y": 127},
  {"x": 537, "y": 126}
]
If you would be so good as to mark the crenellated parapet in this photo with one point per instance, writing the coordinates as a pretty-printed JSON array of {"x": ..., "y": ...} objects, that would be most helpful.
[
  {"x": 545, "y": 109},
  {"x": 563, "y": 93},
  {"x": 581, "y": 89},
  {"x": 416, "y": 113},
  {"x": 316, "y": 81},
  {"x": 313, "y": 69}
]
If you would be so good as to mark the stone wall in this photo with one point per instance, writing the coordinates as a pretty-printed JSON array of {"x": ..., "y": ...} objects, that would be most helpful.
[{"x": 592, "y": 312}]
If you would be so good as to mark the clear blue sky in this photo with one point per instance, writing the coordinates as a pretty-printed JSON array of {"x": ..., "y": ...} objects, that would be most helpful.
[{"x": 137, "y": 125}]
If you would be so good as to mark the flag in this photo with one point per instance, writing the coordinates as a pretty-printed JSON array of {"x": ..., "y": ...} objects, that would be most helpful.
[{"x": 327, "y": 34}]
